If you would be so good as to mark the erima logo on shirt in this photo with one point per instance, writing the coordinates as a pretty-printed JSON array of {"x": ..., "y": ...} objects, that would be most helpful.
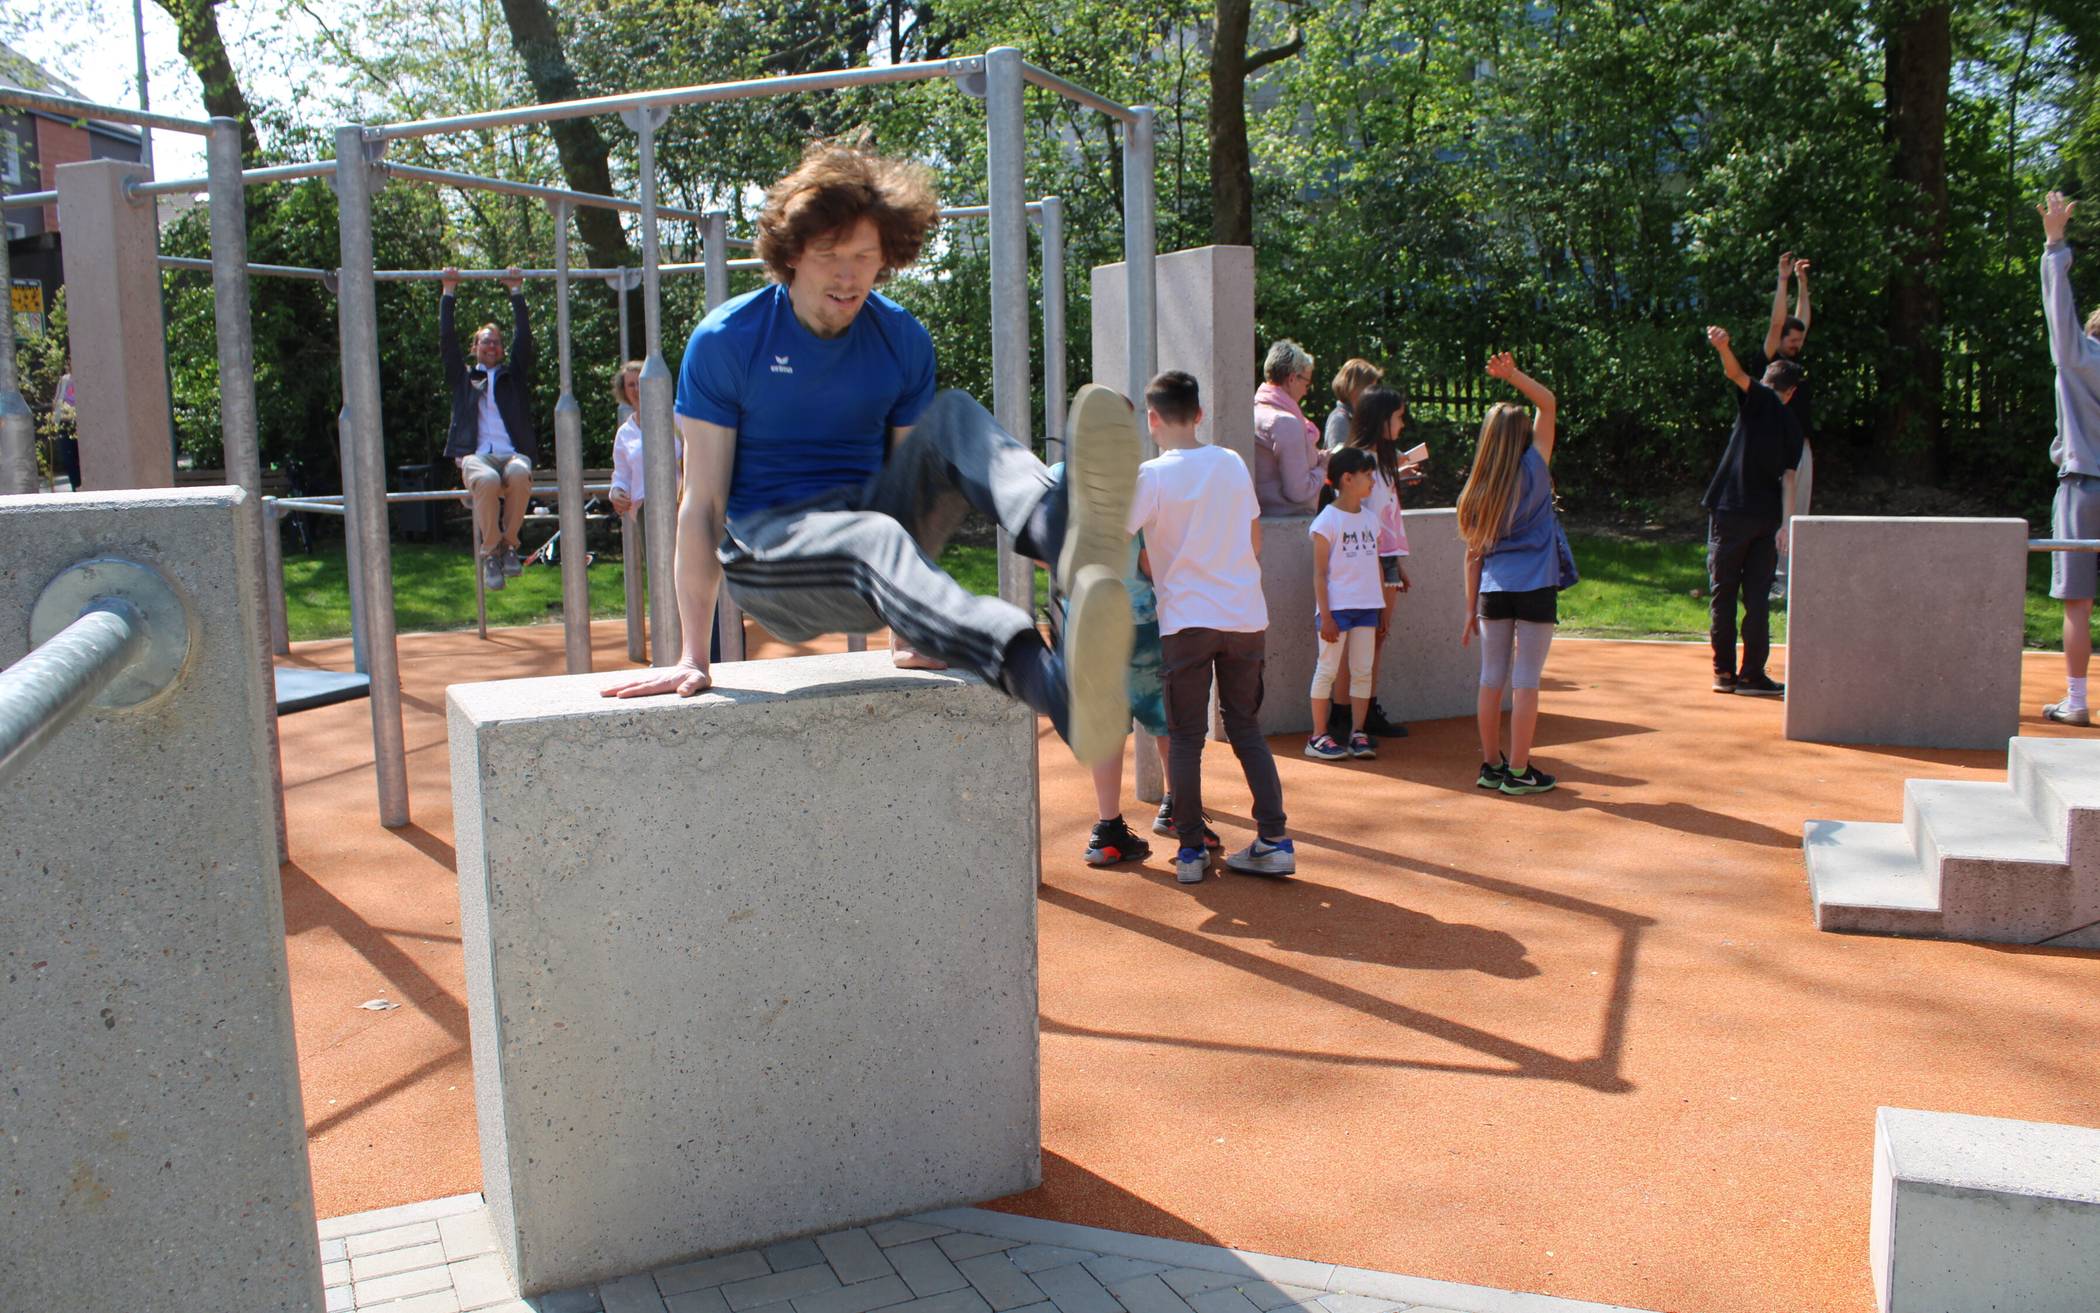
[{"x": 781, "y": 366}]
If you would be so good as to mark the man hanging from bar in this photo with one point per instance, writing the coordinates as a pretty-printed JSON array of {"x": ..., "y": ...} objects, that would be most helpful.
[
  {"x": 491, "y": 437},
  {"x": 824, "y": 474}
]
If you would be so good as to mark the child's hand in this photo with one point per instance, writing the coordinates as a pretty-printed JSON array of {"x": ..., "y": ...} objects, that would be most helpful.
[
  {"x": 1329, "y": 630},
  {"x": 1472, "y": 627},
  {"x": 1385, "y": 623},
  {"x": 1502, "y": 365},
  {"x": 1405, "y": 582}
]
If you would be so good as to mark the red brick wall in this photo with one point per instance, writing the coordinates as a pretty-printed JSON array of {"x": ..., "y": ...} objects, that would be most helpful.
[{"x": 56, "y": 144}]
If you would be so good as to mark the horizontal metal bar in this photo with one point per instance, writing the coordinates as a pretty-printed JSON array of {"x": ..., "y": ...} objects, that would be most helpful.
[
  {"x": 274, "y": 270},
  {"x": 249, "y": 178},
  {"x": 2063, "y": 545},
  {"x": 303, "y": 504},
  {"x": 596, "y": 200},
  {"x": 675, "y": 96},
  {"x": 496, "y": 275},
  {"x": 334, "y": 501},
  {"x": 983, "y": 211},
  {"x": 1074, "y": 92},
  {"x": 23, "y": 200},
  {"x": 45, "y": 690},
  {"x": 88, "y": 109}
]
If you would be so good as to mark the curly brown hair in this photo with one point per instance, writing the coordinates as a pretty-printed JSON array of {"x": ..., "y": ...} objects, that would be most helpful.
[{"x": 836, "y": 186}]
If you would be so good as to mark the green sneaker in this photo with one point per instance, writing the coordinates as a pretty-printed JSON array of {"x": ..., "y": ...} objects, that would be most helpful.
[
  {"x": 1529, "y": 780},
  {"x": 1492, "y": 775}
]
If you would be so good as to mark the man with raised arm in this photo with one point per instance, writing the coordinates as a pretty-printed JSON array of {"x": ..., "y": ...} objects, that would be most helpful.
[
  {"x": 2075, "y": 450},
  {"x": 1749, "y": 503},
  {"x": 823, "y": 474},
  {"x": 491, "y": 437},
  {"x": 1784, "y": 338}
]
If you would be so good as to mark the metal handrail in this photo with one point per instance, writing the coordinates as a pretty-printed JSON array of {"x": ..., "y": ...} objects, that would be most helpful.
[
  {"x": 1072, "y": 91},
  {"x": 42, "y": 693},
  {"x": 88, "y": 109},
  {"x": 332, "y": 503},
  {"x": 2063, "y": 544}
]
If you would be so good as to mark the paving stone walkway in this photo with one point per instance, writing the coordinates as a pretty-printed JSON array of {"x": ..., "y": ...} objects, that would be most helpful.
[{"x": 440, "y": 1257}]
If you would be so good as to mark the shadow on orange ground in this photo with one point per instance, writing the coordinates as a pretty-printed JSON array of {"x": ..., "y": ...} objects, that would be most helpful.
[{"x": 1588, "y": 1044}]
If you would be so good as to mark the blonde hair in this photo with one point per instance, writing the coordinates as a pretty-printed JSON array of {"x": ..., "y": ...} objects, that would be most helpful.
[
  {"x": 2092, "y": 323},
  {"x": 619, "y": 383},
  {"x": 1352, "y": 378},
  {"x": 1491, "y": 489}
]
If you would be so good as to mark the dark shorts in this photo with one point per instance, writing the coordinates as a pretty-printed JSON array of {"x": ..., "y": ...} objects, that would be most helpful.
[{"x": 1538, "y": 606}]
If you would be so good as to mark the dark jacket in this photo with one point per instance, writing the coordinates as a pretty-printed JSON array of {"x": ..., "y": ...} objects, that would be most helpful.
[{"x": 513, "y": 384}]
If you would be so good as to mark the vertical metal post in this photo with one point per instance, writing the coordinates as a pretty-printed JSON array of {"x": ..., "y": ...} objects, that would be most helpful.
[
  {"x": 346, "y": 444},
  {"x": 364, "y": 468},
  {"x": 632, "y": 551},
  {"x": 729, "y": 617},
  {"x": 620, "y": 290},
  {"x": 273, "y": 578},
  {"x": 1140, "y": 249},
  {"x": 568, "y": 471},
  {"x": 138, "y": 34},
  {"x": 17, "y": 425},
  {"x": 1053, "y": 212},
  {"x": 659, "y": 422},
  {"x": 1006, "y": 166},
  {"x": 236, "y": 341}
]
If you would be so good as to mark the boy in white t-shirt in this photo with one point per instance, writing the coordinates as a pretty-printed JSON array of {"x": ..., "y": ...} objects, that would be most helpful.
[
  {"x": 1352, "y": 605},
  {"x": 1202, "y": 525}
]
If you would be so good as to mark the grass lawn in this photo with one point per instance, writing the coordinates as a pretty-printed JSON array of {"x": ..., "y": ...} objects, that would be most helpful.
[{"x": 1630, "y": 589}]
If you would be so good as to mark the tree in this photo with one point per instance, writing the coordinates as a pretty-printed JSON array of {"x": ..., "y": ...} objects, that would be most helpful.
[
  {"x": 197, "y": 36},
  {"x": 1231, "y": 164},
  {"x": 585, "y": 162},
  {"x": 1918, "y": 57}
]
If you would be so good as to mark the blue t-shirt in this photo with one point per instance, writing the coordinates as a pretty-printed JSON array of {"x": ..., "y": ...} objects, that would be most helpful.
[
  {"x": 1532, "y": 552},
  {"x": 810, "y": 413}
]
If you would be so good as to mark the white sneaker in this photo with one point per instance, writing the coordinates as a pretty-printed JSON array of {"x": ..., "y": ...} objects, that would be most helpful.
[
  {"x": 2063, "y": 713},
  {"x": 1264, "y": 858}
]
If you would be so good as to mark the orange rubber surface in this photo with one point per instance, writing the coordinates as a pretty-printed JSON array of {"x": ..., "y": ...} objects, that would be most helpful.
[{"x": 1588, "y": 1044}]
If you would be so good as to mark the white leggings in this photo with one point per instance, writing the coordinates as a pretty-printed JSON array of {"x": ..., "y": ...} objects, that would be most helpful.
[
  {"x": 1530, "y": 641},
  {"x": 1361, "y": 644}
]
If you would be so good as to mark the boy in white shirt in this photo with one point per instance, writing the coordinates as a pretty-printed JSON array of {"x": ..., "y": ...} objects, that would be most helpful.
[{"x": 1196, "y": 507}]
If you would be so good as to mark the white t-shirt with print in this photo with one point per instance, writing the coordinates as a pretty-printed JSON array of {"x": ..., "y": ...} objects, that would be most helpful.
[
  {"x": 1353, "y": 581},
  {"x": 1196, "y": 508}
]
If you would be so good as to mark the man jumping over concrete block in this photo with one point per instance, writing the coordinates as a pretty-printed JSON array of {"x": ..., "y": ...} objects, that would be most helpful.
[
  {"x": 823, "y": 474},
  {"x": 2076, "y": 452}
]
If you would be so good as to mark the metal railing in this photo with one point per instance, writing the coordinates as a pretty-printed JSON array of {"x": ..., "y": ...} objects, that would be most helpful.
[
  {"x": 2063, "y": 544},
  {"x": 42, "y": 693}
]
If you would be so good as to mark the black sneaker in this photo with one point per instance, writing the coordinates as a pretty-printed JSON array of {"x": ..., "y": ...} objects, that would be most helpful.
[
  {"x": 1492, "y": 775},
  {"x": 1724, "y": 682},
  {"x": 1529, "y": 780},
  {"x": 1339, "y": 722},
  {"x": 1163, "y": 823},
  {"x": 1377, "y": 726},
  {"x": 1112, "y": 842},
  {"x": 1759, "y": 686}
]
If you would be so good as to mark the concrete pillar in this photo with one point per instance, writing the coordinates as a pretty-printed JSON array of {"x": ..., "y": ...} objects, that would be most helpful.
[
  {"x": 120, "y": 358},
  {"x": 679, "y": 1052},
  {"x": 1867, "y": 661},
  {"x": 155, "y": 1146},
  {"x": 1206, "y": 327}
]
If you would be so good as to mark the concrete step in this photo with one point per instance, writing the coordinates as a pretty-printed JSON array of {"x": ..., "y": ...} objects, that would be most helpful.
[
  {"x": 2059, "y": 780},
  {"x": 1975, "y": 820},
  {"x": 1865, "y": 878}
]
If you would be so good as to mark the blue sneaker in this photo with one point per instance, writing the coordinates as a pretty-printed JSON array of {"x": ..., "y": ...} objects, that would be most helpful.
[
  {"x": 1265, "y": 858},
  {"x": 1322, "y": 747},
  {"x": 1191, "y": 864}
]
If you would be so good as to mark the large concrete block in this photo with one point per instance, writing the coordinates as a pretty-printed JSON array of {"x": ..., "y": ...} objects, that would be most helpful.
[
  {"x": 1426, "y": 674},
  {"x": 749, "y": 965},
  {"x": 1206, "y": 326},
  {"x": 1981, "y": 1213},
  {"x": 119, "y": 345},
  {"x": 1905, "y": 632},
  {"x": 154, "y": 1148}
]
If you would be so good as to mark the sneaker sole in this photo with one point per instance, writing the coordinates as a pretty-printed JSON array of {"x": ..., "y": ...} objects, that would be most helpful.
[
  {"x": 1292, "y": 869},
  {"x": 1326, "y": 756},
  {"x": 1526, "y": 790},
  {"x": 1371, "y": 755},
  {"x": 1101, "y": 467},
  {"x": 1103, "y": 859},
  {"x": 1760, "y": 692},
  {"x": 1190, "y": 877},
  {"x": 1098, "y": 637}
]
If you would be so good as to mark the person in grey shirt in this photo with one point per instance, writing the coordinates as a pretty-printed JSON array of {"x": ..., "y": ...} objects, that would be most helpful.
[
  {"x": 1350, "y": 380},
  {"x": 2075, "y": 450}
]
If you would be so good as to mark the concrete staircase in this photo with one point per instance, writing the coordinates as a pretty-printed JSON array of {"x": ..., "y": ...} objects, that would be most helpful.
[{"x": 2015, "y": 863}]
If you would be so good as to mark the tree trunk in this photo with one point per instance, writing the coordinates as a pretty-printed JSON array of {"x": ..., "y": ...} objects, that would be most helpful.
[
  {"x": 197, "y": 36},
  {"x": 1231, "y": 168},
  {"x": 585, "y": 162},
  {"x": 1918, "y": 54}
]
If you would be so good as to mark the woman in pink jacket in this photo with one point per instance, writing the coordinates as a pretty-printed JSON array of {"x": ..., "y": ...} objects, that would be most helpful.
[{"x": 1289, "y": 466}]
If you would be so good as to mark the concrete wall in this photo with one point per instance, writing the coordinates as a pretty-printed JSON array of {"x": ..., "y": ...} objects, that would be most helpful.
[
  {"x": 1206, "y": 326},
  {"x": 1978, "y": 1213},
  {"x": 154, "y": 1146},
  {"x": 1426, "y": 674},
  {"x": 748, "y": 965},
  {"x": 114, "y": 325},
  {"x": 1905, "y": 632}
]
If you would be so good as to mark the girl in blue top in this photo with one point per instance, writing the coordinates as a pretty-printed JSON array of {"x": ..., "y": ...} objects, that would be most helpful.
[{"x": 1517, "y": 561}]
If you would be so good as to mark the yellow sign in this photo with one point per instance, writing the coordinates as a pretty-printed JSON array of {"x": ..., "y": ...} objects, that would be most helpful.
[{"x": 29, "y": 297}]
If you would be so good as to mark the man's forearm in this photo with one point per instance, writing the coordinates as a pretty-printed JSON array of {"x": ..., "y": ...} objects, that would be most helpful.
[
  {"x": 1786, "y": 497},
  {"x": 1801, "y": 299},
  {"x": 698, "y": 575}
]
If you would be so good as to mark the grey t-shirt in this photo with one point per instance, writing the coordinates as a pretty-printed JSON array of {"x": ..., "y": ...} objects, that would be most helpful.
[
  {"x": 1338, "y": 421},
  {"x": 2076, "y": 447}
]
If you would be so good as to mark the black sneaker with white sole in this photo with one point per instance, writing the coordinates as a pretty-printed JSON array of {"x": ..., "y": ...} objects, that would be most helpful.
[
  {"x": 1531, "y": 779},
  {"x": 1163, "y": 823},
  {"x": 1101, "y": 463},
  {"x": 1112, "y": 841},
  {"x": 1759, "y": 686}
]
